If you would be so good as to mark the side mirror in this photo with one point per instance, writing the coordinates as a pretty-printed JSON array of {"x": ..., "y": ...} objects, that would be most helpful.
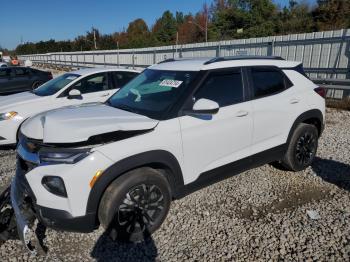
[
  {"x": 205, "y": 107},
  {"x": 74, "y": 94}
]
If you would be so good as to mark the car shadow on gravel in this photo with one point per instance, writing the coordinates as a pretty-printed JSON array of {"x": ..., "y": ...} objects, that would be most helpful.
[
  {"x": 106, "y": 249},
  {"x": 333, "y": 172}
]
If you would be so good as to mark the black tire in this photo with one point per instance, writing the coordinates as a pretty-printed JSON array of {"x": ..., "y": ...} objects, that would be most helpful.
[
  {"x": 36, "y": 85},
  {"x": 135, "y": 204},
  {"x": 302, "y": 148}
]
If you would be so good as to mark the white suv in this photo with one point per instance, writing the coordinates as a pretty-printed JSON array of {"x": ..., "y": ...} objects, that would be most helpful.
[{"x": 177, "y": 127}]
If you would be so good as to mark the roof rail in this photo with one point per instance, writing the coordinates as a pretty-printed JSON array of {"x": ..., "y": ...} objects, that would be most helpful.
[
  {"x": 233, "y": 58},
  {"x": 167, "y": 61}
]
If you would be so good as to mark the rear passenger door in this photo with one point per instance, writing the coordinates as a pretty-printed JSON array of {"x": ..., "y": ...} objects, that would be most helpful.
[
  {"x": 212, "y": 141},
  {"x": 275, "y": 105}
]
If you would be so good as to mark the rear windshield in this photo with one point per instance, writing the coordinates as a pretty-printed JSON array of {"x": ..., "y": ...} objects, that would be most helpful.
[{"x": 53, "y": 86}]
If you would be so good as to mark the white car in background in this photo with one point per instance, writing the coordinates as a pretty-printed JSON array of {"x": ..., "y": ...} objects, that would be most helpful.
[{"x": 73, "y": 88}]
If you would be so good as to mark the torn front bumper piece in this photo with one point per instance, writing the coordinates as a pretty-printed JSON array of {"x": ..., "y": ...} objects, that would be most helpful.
[
  {"x": 8, "y": 228},
  {"x": 25, "y": 220}
]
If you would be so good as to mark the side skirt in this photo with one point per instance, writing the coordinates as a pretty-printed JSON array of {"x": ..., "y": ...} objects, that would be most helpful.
[{"x": 218, "y": 174}]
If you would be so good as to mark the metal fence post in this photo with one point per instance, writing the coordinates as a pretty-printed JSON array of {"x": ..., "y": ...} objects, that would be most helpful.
[
  {"x": 270, "y": 48},
  {"x": 133, "y": 59},
  {"x": 218, "y": 50},
  {"x": 118, "y": 62},
  {"x": 154, "y": 56}
]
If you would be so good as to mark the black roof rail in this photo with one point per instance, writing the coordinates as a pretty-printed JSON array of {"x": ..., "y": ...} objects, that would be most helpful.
[
  {"x": 233, "y": 58},
  {"x": 167, "y": 61}
]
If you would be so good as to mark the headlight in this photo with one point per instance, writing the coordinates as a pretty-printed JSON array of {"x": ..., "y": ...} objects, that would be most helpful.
[
  {"x": 8, "y": 115},
  {"x": 62, "y": 156}
]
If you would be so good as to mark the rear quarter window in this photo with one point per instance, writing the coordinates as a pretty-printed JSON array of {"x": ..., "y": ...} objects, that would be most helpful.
[{"x": 268, "y": 81}]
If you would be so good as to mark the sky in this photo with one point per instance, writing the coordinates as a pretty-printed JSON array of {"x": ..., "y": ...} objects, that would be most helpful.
[{"x": 35, "y": 20}]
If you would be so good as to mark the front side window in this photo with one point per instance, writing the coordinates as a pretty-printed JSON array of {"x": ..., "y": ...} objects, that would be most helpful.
[
  {"x": 153, "y": 92},
  {"x": 53, "y": 86},
  {"x": 267, "y": 81},
  {"x": 93, "y": 83},
  {"x": 225, "y": 88},
  {"x": 4, "y": 73}
]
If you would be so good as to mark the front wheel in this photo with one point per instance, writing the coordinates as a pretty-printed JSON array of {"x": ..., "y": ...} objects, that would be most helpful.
[
  {"x": 135, "y": 204},
  {"x": 302, "y": 148}
]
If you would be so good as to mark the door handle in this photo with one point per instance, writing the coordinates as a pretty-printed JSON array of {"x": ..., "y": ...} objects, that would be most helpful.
[
  {"x": 241, "y": 113},
  {"x": 104, "y": 95},
  {"x": 294, "y": 101}
]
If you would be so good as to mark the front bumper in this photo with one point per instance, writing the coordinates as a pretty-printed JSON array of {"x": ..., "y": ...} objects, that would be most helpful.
[
  {"x": 24, "y": 201},
  {"x": 24, "y": 218}
]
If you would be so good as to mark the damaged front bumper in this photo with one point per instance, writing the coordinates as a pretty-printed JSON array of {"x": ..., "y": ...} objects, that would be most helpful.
[{"x": 27, "y": 223}]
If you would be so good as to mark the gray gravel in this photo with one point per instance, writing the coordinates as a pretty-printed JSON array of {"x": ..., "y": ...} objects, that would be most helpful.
[{"x": 258, "y": 215}]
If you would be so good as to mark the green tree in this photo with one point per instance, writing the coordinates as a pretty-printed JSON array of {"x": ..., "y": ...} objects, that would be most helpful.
[
  {"x": 165, "y": 28},
  {"x": 138, "y": 34},
  {"x": 295, "y": 19},
  {"x": 332, "y": 14}
]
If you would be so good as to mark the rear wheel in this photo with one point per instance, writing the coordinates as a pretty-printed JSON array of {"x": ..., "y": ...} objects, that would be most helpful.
[
  {"x": 302, "y": 148},
  {"x": 135, "y": 205},
  {"x": 36, "y": 85}
]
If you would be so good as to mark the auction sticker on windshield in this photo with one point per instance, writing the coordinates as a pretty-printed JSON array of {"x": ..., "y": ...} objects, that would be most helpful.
[{"x": 171, "y": 83}]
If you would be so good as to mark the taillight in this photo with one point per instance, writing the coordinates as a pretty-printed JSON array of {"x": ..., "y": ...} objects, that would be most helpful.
[{"x": 321, "y": 91}]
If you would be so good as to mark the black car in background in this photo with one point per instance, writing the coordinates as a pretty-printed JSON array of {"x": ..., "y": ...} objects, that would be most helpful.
[{"x": 19, "y": 79}]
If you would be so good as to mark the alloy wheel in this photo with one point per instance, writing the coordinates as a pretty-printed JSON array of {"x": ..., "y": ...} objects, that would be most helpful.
[
  {"x": 306, "y": 149},
  {"x": 141, "y": 208}
]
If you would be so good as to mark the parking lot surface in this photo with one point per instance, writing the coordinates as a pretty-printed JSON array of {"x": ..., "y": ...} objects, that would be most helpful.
[{"x": 262, "y": 214}]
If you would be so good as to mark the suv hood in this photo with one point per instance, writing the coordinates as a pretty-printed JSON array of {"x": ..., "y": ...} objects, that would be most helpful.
[
  {"x": 76, "y": 124},
  {"x": 12, "y": 101}
]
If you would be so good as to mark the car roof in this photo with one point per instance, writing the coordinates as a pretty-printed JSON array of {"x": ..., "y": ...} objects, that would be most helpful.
[
  {"x": 89, "y": 71},
  {"x": 198, "y": 64}
]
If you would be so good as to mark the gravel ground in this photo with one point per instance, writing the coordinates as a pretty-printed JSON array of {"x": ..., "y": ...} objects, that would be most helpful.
[{"x": 258, "y": 215}]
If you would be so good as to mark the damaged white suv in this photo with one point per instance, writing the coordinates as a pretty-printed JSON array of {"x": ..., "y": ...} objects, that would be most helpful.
[{"x": 177, "y": 127}]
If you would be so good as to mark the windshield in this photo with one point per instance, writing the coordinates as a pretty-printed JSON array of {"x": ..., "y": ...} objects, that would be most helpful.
[
  {"x": 153, "y": 92},
  {"x": 53, "y": 86}
]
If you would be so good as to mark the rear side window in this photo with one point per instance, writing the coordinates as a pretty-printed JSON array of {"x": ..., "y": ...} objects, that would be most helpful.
[
  {"x": 225, "y": 88},
  {"x": 267, "y": 81},
  {"x": 122, "y": 78},
  {"x": 21, "y": 71}
]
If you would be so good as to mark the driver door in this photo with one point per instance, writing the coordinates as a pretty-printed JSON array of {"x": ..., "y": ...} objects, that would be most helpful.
[{"x": 214, "y": 141}]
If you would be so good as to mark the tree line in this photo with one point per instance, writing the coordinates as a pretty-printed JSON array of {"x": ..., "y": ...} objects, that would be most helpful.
[{"x": 223, "y": 19}]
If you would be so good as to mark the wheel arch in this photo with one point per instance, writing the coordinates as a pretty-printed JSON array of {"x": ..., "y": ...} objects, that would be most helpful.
[
  {"x": 313, "y": 117},
  {"x": 157, "y": 159}
]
